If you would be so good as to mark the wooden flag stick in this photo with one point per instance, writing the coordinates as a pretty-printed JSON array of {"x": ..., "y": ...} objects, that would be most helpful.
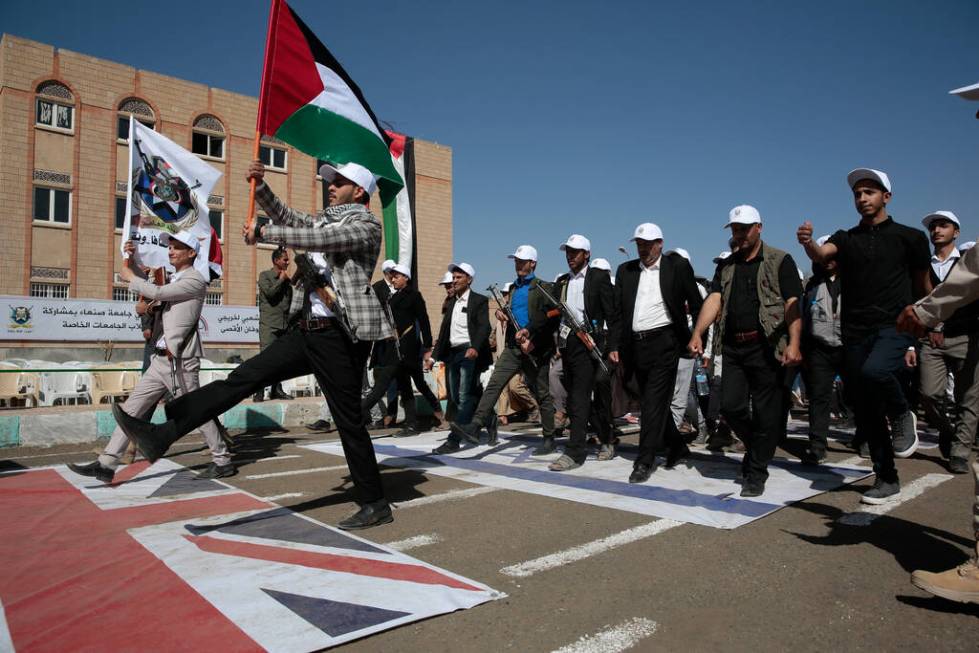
[{"x": 250, "y": 218}]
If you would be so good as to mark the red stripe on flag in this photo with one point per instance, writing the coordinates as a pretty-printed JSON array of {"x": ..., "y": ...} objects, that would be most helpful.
[
  {"x": 330, "y": 562},
  {"x": 289, "y": 79},
  {"x": 397, "y": 145},
  {"x": 129, "y": 473},
  {"x": 73, "y": 579}
]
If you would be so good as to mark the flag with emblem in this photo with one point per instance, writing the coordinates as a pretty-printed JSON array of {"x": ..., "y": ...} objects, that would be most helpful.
[
  {"x": 168, "y": 193},
  {"x": 309, "y": 101}
]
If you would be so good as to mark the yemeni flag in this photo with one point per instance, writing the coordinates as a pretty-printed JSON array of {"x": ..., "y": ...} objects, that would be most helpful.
[{"x": 309, "y": 101}]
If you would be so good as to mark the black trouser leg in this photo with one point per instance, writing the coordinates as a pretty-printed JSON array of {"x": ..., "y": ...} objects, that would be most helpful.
[
  {"x": 601, "y": 407},
  {"x": 383, "y": 375},
  {"x": 579, "y": 379},
  {"x": 751, "y": 371},
  {"x": 407, "y": 395},
  {"x": 822, "y": 364},
  {"x": 655, "y": 360},
  {"x": 284, "y": 359},
  {"x": 416, "y": 375}
]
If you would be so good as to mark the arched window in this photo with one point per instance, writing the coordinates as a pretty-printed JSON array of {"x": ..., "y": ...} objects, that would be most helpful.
[
  {"x": 139, "y": 110},
  {"x": 208, "y": 138},
  {"x": 273, "y": 153},
  {"x": 55, "y": 107}
]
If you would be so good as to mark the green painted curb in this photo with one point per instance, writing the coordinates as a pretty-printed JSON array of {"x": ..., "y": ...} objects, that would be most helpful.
[{"x": 9, "y": 430}]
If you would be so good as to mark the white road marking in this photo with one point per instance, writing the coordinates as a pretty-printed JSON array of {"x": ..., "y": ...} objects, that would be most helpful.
[
  {"x": 852, "y": 461},
  {"x": 917, "y": 487},
  {"x": 588, "y": 549},
  {"x": 6, "y": 641},
  {"x": 287, "y": 495},
  {"x": 295, "y": 472},
  {"x": 612, "y": 640},
  {"x": 451, "y": 495},
  {"x": 258, "y": 460},
  {"x": 414, "y": 542}
]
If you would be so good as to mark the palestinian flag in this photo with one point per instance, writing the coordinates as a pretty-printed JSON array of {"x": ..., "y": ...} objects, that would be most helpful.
[
  {"x": 309, "y": 101},
  {"x": 399, "y": 215}
]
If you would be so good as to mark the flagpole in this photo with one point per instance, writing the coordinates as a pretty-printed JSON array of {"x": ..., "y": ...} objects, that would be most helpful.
[{"x": 274, "y": 7}]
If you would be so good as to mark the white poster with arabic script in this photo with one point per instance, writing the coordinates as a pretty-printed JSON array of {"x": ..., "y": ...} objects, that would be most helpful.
[{"x": 93, "y": 320}]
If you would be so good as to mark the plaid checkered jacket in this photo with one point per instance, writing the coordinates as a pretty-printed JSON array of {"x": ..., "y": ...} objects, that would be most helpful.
[{"x": 349, "y": 236}]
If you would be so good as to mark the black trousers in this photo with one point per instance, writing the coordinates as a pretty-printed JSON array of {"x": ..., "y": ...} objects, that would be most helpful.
[
  {"x": 404, "y": 374},
  {"x": 822, "y": 363},
  {"x": 752, "y": 373},
  {"x": 338, "y": 365},
  {"x": 580, "y": 372},
  {"x": 655, "y": 360}
]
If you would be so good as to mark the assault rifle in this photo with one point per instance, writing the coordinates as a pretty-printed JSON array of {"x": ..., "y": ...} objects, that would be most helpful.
[
  {"x": 505, "y": 307},
  {"x": 580, "y": 329}
]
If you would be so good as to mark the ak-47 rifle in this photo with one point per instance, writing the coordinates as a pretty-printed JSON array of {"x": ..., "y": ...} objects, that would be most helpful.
[
  {"x": 580, "y": 329},
  {"x": 505, "y": 307}
]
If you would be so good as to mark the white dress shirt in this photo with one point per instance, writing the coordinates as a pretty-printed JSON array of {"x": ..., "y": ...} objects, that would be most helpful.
[
  {"x": 316, "y": 306},
  {"x": 650, "y": 311},
  {"x": 576, "y": 293},
  {"x": 942, "y": 268},
  {"x": 161, "y": 343},
  {"x": 459, "y": 327}
]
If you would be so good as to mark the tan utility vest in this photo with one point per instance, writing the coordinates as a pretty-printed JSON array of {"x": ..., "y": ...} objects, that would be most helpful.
[{"x": 771, "y": 306}]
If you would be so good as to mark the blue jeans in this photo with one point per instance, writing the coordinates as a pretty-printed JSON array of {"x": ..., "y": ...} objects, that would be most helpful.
[
  {"x": 872, "y": 365},
  {"x": 460, "y": 377}
]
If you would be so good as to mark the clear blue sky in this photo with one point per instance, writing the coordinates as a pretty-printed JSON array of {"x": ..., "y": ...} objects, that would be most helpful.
[{"x": 592, "y": 117}]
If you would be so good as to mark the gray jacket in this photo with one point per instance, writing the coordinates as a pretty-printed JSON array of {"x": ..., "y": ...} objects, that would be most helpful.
[{"x": 819, "y": 320}]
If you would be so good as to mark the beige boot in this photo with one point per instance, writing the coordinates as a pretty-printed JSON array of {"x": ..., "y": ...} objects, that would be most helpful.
[{"x": 960, "y": 584}]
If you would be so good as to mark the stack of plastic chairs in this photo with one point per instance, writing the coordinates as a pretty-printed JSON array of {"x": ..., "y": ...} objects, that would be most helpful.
[
  {"x": 112, "y": 383},
  {"x": 63, "y": 387},
  {"x": 17, "y": 386},
  {"x": 301, "y": 386}
]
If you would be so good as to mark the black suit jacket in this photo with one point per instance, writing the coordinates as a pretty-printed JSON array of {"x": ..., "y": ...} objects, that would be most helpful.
[
  {"x": 477, "y": 320},
  {"x": 411, "y": 319},
  {"x": 599, "y": 299},
  {"x": 679, "y": 289}
]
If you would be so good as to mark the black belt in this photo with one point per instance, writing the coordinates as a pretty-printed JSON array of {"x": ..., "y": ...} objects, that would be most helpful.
[
  {"x": 318, "y": 324},
  {"x": 745, "y": 337},
  {"x": 649, "y": 333},
  {"x": 461, "y": 347}
]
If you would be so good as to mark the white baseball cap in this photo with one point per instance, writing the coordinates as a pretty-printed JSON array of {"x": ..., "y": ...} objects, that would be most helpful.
[
  {"x": 967, "y": 245},
  {"x": 401, "y": 268},
  {"x": 682, "y": 252},
  {"x": 967, "y": 93},
  {"x": 940, "y": 215},
  {"x": 525, "y": 253},
  {"x": 446, "y": 279},
  {"x": 387, "y": 265},
  {"x": 869, "y": 173},
  {"x": 647, "y": 231},
  {"x": 463, "y": 267},
  {"x": 822, "y": 240},
  {"x": 188, "y": 239},
  {"x": 601, "y": 264},
  {"x": 743, "y": 214},
  {"x": 507, "y": 286},
  {"x": 720, "y": 257},
  {"x": 577, "y": 241},
  {"x": 352, "y": 171}
]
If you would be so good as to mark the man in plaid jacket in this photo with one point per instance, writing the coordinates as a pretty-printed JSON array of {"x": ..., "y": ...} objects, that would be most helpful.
[{"x": 333, "y": 338}]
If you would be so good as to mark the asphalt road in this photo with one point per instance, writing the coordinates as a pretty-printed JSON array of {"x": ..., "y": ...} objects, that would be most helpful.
[{"x": 795, "y": 580}]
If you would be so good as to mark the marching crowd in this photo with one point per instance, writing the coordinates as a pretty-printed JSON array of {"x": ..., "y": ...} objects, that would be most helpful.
[{"x": 581, "y": 351}]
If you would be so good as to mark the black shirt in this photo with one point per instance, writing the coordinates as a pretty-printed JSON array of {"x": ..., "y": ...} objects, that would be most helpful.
[
  {"x": 742, "y": 308},
  {"x": 876, "y": 263}
]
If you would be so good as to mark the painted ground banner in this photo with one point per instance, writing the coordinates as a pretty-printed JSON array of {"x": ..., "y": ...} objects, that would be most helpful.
[
  {"x": 702, "y": 491},
  {"x": 159, "y": 561}
]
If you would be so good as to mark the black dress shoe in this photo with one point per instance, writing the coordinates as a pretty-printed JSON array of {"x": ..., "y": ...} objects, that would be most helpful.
[
  {"x": 547, "y": 445},
  {"x": 676, "y": 454},
  {"x": 320, "y": 425},
  {"x": 370, "y": 514},
  {"x": 813, "y": 456},
  {"x": 468, "y": 432},
  {"x": 279, "y": 393},
  {"x": 958, "y": 465},
  {"x": 449, "y": 446},
  {"x": 406, "y": 432},
  {"x": 143, "y": 433},
  {"x": 94, "y": 470},
  {"x": 752, "y": 488},
  {"x": 216, "y": 471},
  {"x": 259, "y": 396},
  {"x": 640, "y": 473},
  {"x": 493, "y": 433}
]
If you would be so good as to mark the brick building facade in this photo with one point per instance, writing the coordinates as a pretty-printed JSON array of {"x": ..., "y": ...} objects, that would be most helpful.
[{"x": 63, "y": 168}]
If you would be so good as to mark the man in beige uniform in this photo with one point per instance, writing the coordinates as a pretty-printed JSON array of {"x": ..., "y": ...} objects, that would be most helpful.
[
  {"x": 177, "y": 351},
  {"x": 960, "y": 288}
]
